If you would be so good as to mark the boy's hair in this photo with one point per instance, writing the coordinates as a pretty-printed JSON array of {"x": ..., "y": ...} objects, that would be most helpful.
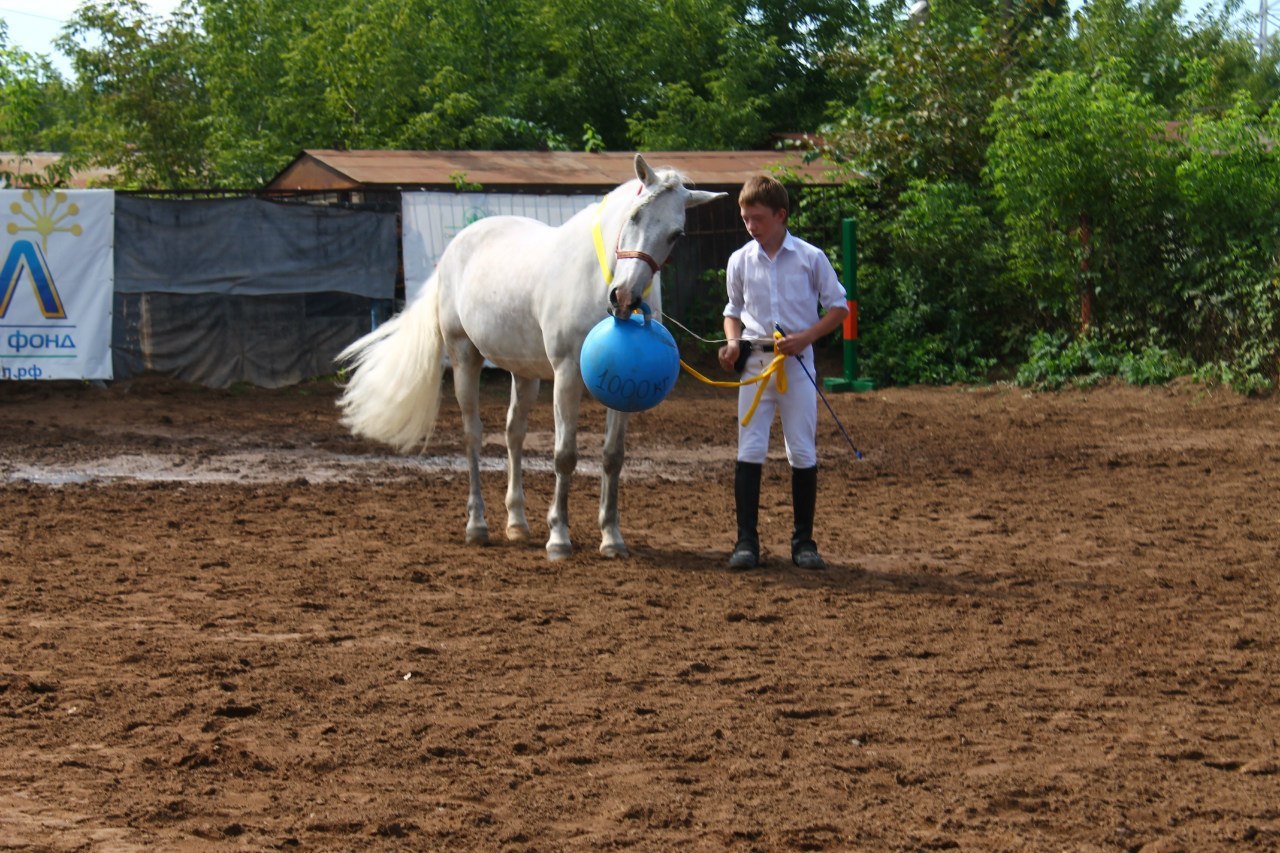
[{"x": 762, "y": 189}]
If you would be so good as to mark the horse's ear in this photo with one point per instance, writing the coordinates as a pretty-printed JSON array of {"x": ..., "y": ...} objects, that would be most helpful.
[
  {"x": 643, "y": 172},
  {"x": 697, "y": 197}
]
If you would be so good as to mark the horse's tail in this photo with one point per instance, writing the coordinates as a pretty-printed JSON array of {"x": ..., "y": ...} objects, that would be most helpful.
[{"x": 392, "y": 394}]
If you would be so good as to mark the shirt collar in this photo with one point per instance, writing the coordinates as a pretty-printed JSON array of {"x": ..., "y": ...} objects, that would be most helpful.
[{"x": 788, "y": 244}]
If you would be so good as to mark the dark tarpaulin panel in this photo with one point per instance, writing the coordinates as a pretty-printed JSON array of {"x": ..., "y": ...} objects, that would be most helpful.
[
  {"x": 245, "y": 290},
  {"x": 251, "y": 247},
  {"x": 217, "y": 340}
]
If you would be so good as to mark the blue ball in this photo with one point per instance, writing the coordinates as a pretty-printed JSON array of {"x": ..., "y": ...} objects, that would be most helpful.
[{"x": 630, "y": 365}]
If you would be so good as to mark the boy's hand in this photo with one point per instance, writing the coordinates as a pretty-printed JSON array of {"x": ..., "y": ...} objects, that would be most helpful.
[
  {"x": 728, "y": 355},
  {"x": 792, "y": 344},
  {"x": 796, "y": 344}
]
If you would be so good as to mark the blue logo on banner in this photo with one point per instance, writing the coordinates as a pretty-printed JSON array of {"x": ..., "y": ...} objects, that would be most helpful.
[{"x": 26, "y": 257}]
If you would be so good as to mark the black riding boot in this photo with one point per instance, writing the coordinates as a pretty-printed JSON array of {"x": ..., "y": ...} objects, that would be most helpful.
[
  {"x": 746, "y": 498},
  {"x": 804, "y": 499}
]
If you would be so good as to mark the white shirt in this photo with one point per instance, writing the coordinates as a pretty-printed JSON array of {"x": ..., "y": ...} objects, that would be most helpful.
[{"x": 786, "y": 290}]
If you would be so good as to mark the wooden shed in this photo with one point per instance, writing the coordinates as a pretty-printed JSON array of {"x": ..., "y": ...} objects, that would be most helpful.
[
  {"x": 527, "y": 171},
  {"x": 713, "y": 231}
]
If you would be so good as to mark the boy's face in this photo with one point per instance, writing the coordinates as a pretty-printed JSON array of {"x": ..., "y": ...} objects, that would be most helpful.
[{"x": 764, "y": 224}]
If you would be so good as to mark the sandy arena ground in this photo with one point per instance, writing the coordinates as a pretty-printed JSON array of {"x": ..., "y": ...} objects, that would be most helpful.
[{"x": 1051, "y": 623}]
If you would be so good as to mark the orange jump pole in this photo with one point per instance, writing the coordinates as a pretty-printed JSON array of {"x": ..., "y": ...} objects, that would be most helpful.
[{"x": 850, "y": 380}]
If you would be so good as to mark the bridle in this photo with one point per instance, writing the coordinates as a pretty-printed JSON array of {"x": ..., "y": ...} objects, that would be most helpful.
[
  {"x": 597, "y": 235},
  {"x": 654, "y": 266}
]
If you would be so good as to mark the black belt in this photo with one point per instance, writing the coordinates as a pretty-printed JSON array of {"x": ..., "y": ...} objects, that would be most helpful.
[{"x": 745, "y": 350}]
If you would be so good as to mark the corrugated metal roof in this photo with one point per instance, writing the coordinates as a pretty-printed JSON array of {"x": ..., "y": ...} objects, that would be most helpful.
[{"x": 320, "y": 169}]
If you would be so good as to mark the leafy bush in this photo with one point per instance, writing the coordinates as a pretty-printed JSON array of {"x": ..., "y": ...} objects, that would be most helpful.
[
  {"x": 1232, "y": 316},
  {"x": 934, "y": 305},
  {"x": 1224, "y": 272},
  {"x": 903, "y": 346},
  {"x": 1055, "y": 360},
  {"x": 1154, "y": 365},
  {"x": 1239, "y": 379}
]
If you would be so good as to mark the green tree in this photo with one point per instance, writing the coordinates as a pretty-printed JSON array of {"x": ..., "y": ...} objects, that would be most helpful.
[
  {"x": 808, "y": 35},
  {"x": 619, "y": 67},
  {"x": 727, "y": 111},
  {"x": 227, "y": 91},
  {"x": 261, "y": 112},
  {"x": 1225, "y": 272},
  {"x": 1082, "y": 172},
  {"x": 1159, "y": 50},
  {"x": 935, "y": 300},
  {"x": 32, "y": 100},
  {"x": 143, "y": 107},
  {"x": 1222, "y": 60},
  {"x": 926, "y": 89},
  {"x": 488, "y": 85},
  {"x": 696, "y": 73},
  {"x": 1146, "y": 35}
]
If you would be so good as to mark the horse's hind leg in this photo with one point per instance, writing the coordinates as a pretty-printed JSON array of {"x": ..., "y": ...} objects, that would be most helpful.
[
  {"x": 467, "y": 362},
  {"x": 524, "y": 393},
  {"x": 615, "y": 436}
]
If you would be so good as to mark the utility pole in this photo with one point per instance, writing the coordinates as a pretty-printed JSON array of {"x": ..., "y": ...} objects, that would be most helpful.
[{"x": 1268, "y": 23}]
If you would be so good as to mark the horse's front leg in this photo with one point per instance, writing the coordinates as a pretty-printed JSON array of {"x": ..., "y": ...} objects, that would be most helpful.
[
  {"x": 467, "y": 363},
  {"x": 524, "y": 393},
  {"x": 615, "y": 438},
  {"x": 567, "y": 396}
]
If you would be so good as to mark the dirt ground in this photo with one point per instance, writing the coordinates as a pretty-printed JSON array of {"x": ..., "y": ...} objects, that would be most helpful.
[{"x": 1051, "y": 623}]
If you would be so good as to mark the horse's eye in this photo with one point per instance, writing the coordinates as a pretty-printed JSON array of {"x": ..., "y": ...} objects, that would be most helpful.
[{"x": 677, "y": 234}]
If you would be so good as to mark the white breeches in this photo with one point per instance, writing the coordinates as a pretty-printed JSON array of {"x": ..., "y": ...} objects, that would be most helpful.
[{"x": 798, "y": 408}]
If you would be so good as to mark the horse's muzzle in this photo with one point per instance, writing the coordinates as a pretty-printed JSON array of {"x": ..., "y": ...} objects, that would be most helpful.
[{"x": 613, "y": 303}]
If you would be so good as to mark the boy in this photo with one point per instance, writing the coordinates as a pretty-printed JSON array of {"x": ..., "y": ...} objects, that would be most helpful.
[{"x": 777, "y": 281}]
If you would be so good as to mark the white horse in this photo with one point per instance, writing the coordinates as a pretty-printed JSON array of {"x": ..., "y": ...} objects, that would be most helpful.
[{"x": 523, "y": 295}]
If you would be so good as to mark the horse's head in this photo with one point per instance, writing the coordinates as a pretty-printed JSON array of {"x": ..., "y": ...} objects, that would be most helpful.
[{"x": 652, "y": 226}]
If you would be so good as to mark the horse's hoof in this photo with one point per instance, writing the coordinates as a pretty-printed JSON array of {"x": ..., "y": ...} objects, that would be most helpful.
[
  {"x": 615, "y": 552},
  {"x": 477, "y": 536},
  {"x": 559, "y": 552},
  {"x": 518, "y": 532}
]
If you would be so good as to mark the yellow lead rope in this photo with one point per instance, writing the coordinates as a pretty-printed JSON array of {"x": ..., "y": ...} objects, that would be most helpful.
[{"x": 777, "y": 366}]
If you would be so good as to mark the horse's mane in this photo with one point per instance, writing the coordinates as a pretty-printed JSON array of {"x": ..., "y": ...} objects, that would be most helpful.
[{"x": 668, "y": 179}]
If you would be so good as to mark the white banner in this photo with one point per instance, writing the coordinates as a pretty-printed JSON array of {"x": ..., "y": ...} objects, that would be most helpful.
[
  {"x": 56, "y": 283},
  {"x": 430, "y": 219}
]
